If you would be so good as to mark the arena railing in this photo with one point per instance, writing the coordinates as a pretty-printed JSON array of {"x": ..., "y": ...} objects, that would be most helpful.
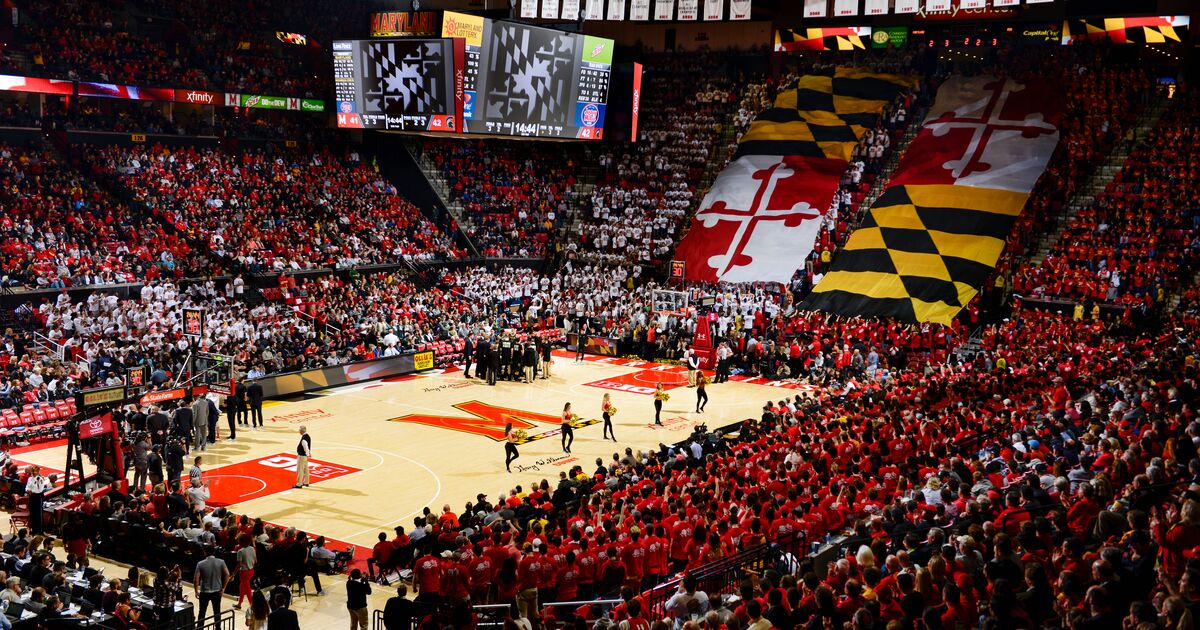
[
  {"x": 723, "y": 576},
  {"x": 226, "y": 621}
]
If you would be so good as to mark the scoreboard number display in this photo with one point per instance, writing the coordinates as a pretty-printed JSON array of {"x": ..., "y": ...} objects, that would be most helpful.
[
  {"x": 396, "y": 84},
  {"x": 541, "y": 82},
  {"x": 482, "y": 76}
]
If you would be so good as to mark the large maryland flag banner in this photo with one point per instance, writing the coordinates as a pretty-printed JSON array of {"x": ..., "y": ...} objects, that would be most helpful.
[
  {"x": 761, "y": 218},
  {"x": 934, "y": 236}
]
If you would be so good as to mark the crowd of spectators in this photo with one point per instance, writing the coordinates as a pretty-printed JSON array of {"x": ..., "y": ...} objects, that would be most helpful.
[
  {"x": 60, "y": 228},
  {"x": 90, "y": 40},
  {"x": 1047, "y": 488},
  {"x": 647, "y": 189},
  {"x": 226, "y": 46},
  {"x": 270, "y": 209},
  {"x": 1138, "y": 240},
  {"x": 513, "y": 194}
]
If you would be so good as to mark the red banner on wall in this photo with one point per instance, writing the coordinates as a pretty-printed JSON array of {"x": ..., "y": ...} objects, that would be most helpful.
[
  {"x": 128, "y": 92},
  {"x": 12, "y": 83},
  {"x": 637, "y": 100}
]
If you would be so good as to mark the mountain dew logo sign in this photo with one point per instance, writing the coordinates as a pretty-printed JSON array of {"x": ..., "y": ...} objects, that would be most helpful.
[{"x": 258, "y": 101}]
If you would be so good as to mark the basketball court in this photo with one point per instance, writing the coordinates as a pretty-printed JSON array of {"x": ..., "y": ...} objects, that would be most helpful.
[{"x": 384, "y": 450}]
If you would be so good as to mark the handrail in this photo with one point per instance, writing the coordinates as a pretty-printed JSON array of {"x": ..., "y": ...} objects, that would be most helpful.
[
  {"x": 330, "y": 329},
  {"x": 581, "y": 602},
  {"x": 59, "y": 349}
]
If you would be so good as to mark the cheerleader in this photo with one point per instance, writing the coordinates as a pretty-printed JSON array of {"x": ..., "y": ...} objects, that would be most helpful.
[
  {"x": 568, "y": 432},
  {"x": 510, "y": 447},
  {"x": 701, "y": 395},
  {"x": 659, "y": 396},
  {"x": 605, "y": 408}
]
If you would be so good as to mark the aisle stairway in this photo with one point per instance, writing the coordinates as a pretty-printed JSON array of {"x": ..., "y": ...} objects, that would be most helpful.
[
  {"x": 1097, "y": 183},
  {"x": 893, "y": 160}
]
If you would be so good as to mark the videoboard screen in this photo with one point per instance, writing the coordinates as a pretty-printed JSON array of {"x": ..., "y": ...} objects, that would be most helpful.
[
  {"x": 541, "y": 82},
  {"x": 523, "y": 80},
  {"x": 398, "y": 84}
]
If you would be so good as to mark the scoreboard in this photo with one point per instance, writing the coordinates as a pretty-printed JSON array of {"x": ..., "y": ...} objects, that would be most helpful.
[
  {"x": 539, "y": 82},
  {"x": 482, "y": 77},
  {"x": 398, "y": 84}
]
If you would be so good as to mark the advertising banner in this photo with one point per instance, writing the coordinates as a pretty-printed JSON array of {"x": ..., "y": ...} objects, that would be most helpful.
[
  {"x": 637, "y": 100},
  {"x": 96, "y": 426},
  {"x": 606, "y": 346},
  {"x": 12, "y": 83},
  {"x": 322, "y": 378},
  {"x": 258, "y": 101},
  {"x": 405, "y": 24},
  {"x": 198, "y": 97},
  {"x": 127, "y": 92},
  {"x": 894, "y": 36}
]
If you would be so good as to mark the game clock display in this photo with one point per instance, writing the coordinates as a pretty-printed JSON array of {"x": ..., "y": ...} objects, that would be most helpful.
[
  {"x": 540, "y": 82},
  {"x": 397, "y": 84}
]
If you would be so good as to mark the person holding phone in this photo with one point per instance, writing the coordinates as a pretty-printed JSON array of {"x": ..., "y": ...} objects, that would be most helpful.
[{"x": 357, "y": 589}]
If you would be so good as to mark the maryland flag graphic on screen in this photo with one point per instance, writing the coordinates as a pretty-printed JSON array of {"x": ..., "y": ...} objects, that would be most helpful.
[
  {"x": 827, "y": 38},
  {"x": 761, "y": 218},
  {"x": 1164, "y": 29},
  {"x": 934, "y": 236}
]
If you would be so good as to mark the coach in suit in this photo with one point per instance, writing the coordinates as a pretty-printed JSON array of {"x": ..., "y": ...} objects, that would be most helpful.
[
  {"x": 254, "y": 393},
  {"x": 493, "y": 366},
  {"x": 482, "y": 350},
  {"x": 530, "y": 362},
  {"x": 239, "y": 392},
  {"x": 468, "y": 355}
]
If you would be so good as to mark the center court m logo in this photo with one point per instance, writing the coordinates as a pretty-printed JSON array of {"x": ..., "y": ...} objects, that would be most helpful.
[{"x": 485, "y": 420}]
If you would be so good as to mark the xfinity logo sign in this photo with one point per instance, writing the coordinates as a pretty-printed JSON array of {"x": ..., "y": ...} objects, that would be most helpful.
[{"x": 203, "y": 98}]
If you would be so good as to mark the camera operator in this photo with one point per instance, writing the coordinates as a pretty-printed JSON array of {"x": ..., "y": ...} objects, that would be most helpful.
[{"x": 357, "y": 589}]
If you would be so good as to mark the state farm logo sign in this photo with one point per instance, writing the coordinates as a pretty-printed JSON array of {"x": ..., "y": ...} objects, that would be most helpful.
[{"x": 320, "y": 470}]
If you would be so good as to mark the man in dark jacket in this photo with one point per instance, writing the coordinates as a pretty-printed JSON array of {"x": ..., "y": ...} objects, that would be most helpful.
[
  {"x": 493, "y": 366},
  {"x": 482, "y": 350},
  {"x": 399, "y": 611},
  {"x": 254, "y": 395},
  {"x": 357, "y": 589},
  {"x": 158, "y": 425},
  {"x": 530, "y": 362},
  {"x": 174, "y": 460},
  {"x": 240, "y": 393},
  {"x": 282, "y": 617},
  {"x": 468, "y": 355}
]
